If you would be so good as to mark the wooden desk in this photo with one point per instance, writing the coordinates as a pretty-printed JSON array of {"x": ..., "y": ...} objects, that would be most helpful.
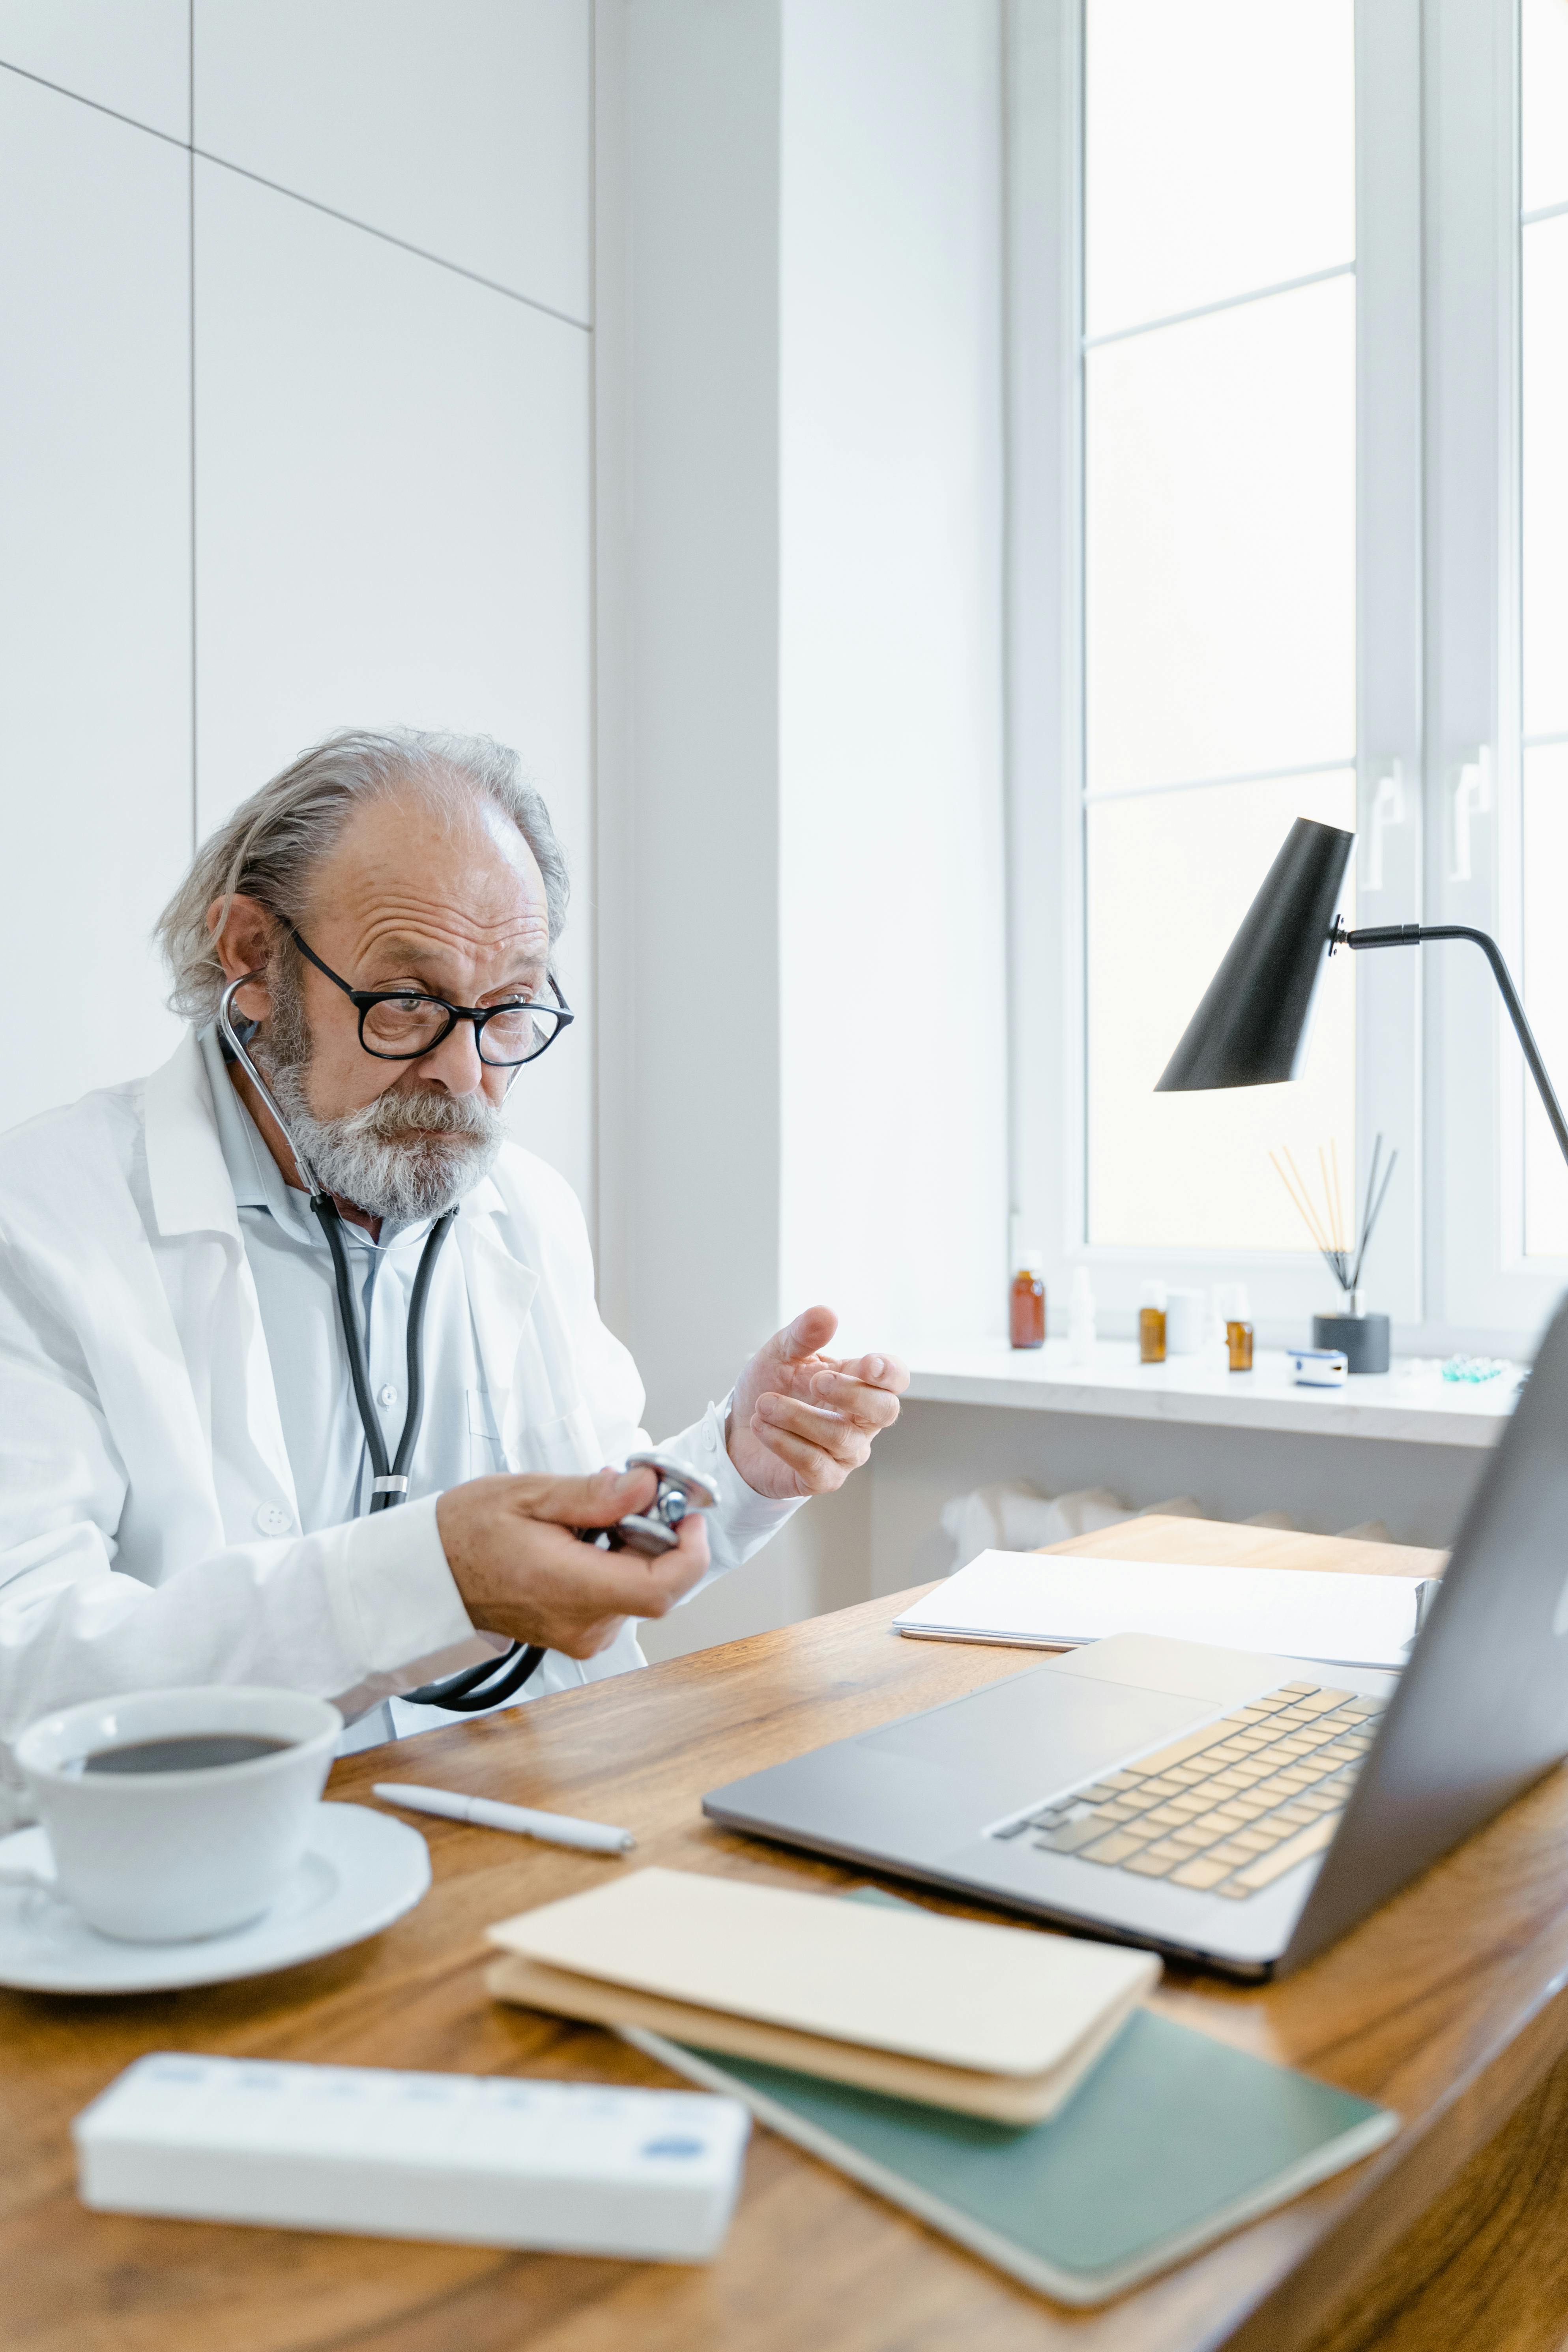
[{"x": 1450, "y": 2005}]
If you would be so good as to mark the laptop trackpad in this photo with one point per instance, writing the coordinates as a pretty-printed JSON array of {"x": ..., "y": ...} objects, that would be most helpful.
[{"x": 1040, "y": 1731}]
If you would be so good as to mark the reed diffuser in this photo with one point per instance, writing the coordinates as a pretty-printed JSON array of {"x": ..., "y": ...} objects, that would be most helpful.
[{"x": 1363, "y": 1337}]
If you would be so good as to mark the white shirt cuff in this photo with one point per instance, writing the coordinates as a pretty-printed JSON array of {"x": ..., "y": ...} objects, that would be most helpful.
[
  {"x": 394, "y": 1593},
  {"x": 745, "y": 1518}
]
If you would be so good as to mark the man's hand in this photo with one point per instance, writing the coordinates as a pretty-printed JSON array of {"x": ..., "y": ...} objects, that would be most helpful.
[
  {"x": 522, "y": 1572},
  {"x": 801, "y": 1421}
]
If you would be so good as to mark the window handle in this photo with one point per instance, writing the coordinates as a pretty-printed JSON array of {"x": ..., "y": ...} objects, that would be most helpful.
[
  {"x": 1385, "y": 811},
  {"x": 1472, "y": 798}
]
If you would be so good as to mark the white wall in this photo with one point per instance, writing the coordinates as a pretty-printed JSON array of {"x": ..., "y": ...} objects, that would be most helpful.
[
  {"x": 385, "y": 326},
  {"x": 135, "y": 61},
  {"x": 688, "y": 781},
  {"x": 462, "y": 130},
  {"x": 800, "y": 717},
  {"x": 95, "y": 595},
  {"x": 393, "y": 525},
  {"x": 892, "y": 937},
  {"x": 799, "y": 487}
]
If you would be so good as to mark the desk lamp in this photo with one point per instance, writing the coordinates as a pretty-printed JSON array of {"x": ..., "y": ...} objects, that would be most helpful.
[{"x": 1251, "y": 1029}]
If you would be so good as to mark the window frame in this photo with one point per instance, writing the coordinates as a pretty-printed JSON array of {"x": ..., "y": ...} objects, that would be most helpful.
[
  {"x": 1477, "y": 1272},
  {"x": 1438, "y": 668}
]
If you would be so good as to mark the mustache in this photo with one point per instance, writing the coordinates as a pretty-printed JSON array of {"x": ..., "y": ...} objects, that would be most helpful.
[{"x": 403, "y": 1118}]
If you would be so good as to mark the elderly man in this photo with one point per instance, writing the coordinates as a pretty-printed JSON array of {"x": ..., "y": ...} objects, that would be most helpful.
[{"x": 184, "y": 1479}]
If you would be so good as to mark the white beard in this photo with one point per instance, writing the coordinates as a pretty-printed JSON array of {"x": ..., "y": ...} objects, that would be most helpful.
[{"x": 402, "y": 1158}]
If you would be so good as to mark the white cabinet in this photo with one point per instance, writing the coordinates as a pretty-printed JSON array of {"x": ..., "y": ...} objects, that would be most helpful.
[
  {"x": 132, "y": 56},
  {"x": 95, "y": 601},
  {"x": 392, "y": 506},
  {"x": 463, "y": 130}
]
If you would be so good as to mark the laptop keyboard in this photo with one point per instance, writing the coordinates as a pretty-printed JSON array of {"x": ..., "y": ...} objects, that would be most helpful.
[{"x": 1227, "y": 1810}]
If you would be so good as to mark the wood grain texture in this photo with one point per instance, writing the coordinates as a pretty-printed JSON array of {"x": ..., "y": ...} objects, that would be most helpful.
[
  {"x": 1487, "y": 2264},
  {"x": 1449, "y": 2006}
]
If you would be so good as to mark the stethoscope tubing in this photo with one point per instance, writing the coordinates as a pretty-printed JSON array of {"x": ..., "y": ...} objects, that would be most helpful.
[{"x": 493, "y": 1680}]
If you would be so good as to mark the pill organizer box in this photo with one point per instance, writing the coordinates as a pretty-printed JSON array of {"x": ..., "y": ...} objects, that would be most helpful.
[{"x": 575, "y": 2167}]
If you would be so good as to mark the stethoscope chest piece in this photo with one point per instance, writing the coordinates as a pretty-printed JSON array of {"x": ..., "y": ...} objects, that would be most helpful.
[{"x": 657, "y": 1529}]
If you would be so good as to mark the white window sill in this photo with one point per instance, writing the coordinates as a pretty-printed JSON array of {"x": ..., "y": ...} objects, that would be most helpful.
[{"x": 1411, "y": 1402}]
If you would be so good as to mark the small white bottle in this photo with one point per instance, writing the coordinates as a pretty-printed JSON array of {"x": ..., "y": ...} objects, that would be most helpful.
[{"x": 1080, "y": 1319}]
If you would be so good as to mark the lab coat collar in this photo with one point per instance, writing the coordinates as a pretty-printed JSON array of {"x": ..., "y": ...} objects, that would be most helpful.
[
  {"x": 191, "y": 1193},
  {"x": 187, "y": 1175},
  {"x": 245, "y": 1154},
  {"x": 484, "y": 1201}
]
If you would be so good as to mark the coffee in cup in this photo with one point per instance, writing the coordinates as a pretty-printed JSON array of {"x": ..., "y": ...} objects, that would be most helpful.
[{"x": 177, "y": 1813}]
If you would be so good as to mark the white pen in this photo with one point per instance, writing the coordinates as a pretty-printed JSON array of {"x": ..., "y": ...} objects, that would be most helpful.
[{"x": 555, "y": 1828}]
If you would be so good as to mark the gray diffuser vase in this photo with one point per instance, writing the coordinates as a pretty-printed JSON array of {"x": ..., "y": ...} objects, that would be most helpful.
[{"x": 1364, "y": 1338}]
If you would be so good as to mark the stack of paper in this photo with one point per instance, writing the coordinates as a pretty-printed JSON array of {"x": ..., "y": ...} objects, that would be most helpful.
[
  {"x": 1043, "y": 1600},
  {"x": 997, "y": 2022}
]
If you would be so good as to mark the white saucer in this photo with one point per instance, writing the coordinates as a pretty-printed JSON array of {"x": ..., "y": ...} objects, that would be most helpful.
[{"x": 359, "y": 1871}]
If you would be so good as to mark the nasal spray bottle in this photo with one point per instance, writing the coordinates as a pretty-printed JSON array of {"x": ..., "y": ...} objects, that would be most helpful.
[{"x": 1081, "y": 1333}]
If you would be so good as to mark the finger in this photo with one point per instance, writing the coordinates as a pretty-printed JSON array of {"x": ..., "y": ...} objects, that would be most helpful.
[
  {"x": 810, "y": 1330},
  {"x": 878, "y": 1372},
  {"x": 637, "y": 1586},
  {"x": 868, "y": 1407},
  {"x": 595, "y": 1502},
  {"x": 816, "y": 1472},
  {"x": 581, "y": 1584},
  {"x": 829, "y": 1431}
]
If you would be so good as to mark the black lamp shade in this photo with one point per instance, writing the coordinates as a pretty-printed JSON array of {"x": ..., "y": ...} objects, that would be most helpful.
[{"x": 1251, "y": 1028}]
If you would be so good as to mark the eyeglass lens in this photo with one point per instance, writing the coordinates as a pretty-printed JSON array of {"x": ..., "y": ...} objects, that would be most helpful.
[{"x": 402, "y": 1028}]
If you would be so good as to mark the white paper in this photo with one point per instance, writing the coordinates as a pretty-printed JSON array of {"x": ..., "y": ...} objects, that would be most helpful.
[{"x": 1037, "y": 1599}]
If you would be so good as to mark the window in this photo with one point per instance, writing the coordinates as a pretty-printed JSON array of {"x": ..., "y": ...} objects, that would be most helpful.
[
  {"x": 1220, "y": 489},
  {"x": 1289, "y": 536}
]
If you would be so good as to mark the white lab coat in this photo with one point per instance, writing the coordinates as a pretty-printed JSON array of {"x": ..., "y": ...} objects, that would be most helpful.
[{"x": 149, "y": 1528}]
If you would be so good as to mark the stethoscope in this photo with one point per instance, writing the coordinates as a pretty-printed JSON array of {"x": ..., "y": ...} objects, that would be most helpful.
[{"x": 651, "y": 1532}]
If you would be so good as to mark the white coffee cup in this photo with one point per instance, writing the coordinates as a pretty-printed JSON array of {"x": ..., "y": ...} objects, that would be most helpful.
[{"x": 161, "y": 1856}]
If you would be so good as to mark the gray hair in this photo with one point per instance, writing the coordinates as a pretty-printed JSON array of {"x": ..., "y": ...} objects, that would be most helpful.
[{"x": 268, "y": 849}]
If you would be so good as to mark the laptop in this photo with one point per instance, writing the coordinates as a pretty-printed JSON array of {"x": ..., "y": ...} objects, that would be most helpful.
[{"x": 1237, "y": 1812}]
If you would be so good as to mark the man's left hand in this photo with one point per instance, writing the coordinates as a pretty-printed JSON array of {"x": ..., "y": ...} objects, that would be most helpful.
[{"x": 802, "y": 1420}]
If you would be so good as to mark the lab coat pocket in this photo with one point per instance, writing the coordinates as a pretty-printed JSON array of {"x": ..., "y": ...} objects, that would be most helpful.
[
  {"x": 487, "y": 1416},
  {"x": 569, "y": 1444}
]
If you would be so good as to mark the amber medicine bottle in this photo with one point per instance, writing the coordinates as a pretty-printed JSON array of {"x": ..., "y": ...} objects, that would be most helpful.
[
  {"x": 1027, "y": 1302},
  {"x": 1236, "y": 1311}
]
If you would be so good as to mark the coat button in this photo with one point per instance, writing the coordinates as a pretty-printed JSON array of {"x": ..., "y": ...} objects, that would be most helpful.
[{"x": 273, "y": 1519}]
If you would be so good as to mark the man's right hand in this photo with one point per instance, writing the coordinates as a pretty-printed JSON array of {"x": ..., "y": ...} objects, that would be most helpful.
[{"x": 522, "y": 1572}]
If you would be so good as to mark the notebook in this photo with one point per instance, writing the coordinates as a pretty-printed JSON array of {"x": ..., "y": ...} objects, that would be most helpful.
[
  {"x": 1036, "y": 1599},
  {"x": 1000, "y": 2021},
  {"x": 1174, "y": 2141}
]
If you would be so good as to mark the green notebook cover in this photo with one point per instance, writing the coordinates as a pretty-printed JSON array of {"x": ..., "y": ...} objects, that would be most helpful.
[{"x": 1173, "y": 2140}]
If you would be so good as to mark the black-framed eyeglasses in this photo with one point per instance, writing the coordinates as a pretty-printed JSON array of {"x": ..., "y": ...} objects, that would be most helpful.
[{"x": 399, "y": 1024}]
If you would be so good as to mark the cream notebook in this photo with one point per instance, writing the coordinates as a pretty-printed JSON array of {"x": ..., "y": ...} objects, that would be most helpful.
[{"x": 1003, "y": 2022}]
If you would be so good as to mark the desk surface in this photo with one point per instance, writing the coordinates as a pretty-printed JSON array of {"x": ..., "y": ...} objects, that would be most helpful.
[{"x": 1449, "y": 2006}]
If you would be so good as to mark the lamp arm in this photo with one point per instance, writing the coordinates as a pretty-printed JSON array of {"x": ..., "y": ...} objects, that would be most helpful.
[{"x": 1410, "y": 935}]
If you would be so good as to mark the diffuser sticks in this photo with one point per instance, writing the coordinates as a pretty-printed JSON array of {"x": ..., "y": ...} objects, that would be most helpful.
[{"x": 1342, "y": 1251}]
